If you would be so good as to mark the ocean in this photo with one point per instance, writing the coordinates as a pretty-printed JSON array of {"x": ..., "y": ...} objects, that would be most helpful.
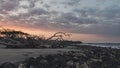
[{"x": 112, "y": 45}]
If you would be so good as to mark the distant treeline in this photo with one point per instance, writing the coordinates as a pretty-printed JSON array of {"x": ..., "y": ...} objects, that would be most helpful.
[{"x": 18, "y": 39}]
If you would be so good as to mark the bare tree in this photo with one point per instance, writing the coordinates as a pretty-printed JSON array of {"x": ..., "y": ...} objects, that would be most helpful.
[{"x": 57, "y": 39}]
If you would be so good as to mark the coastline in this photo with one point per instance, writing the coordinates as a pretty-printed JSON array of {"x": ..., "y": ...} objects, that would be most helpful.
[{"x": 101, "y": 56}]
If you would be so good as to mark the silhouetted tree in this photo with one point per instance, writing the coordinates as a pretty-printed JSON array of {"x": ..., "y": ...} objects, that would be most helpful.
[{"x": 20, "y": 37}]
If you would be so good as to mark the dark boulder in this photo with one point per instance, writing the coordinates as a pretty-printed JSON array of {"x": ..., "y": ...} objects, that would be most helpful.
[{"x": 8, "y": 65}]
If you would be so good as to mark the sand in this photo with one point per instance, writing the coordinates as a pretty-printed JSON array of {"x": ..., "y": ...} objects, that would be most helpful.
[{"x": 15, "y": 55}]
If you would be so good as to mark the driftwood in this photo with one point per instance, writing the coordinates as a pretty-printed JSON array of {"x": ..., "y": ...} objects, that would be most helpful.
[
  {"x": 57, "y": 39},
  {"x": 54, "y": 40},
  {"x": 59, "y": 35}
]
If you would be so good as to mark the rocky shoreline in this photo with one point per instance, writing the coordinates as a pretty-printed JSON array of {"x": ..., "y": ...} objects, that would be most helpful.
[{"x": 86, "y": 57}]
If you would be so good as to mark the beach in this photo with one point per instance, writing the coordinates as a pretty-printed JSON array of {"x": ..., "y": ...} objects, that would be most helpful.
[
  {"x": 82, "y": 57},
  {"x": 15, "y": 55}
]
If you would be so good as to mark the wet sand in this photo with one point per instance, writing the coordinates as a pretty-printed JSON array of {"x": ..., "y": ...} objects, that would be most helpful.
[{"x": 15, "y": 55}]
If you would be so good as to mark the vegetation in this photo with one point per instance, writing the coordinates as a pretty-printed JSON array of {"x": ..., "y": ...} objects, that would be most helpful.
[{"x": 18, "y": 39}]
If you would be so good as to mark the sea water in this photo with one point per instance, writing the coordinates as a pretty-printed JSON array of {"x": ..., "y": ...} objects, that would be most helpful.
[{"x": 112, "y": 45}]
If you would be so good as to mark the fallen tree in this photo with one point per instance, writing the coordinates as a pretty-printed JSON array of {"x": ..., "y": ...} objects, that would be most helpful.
[{"x": 18, "y": 39}]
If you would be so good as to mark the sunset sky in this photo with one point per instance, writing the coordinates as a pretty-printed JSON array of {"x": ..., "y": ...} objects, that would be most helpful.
[{"x": 86, "y": 20}]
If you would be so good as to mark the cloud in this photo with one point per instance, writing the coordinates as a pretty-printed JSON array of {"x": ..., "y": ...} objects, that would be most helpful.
[
  {"x": 47, "y": 6},
  {"x": 8, "y": 5},
  {"x": 111, "y": 12},
  {"x": 71, "y": 2},
  {"x": 101, "y": 29},
  {"x": 76, "y": 19},
  {"x": 37, "y": 11},
  {"x": 71, "y": 18}
]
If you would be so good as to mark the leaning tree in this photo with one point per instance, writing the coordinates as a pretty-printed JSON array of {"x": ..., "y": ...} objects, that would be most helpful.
[{"x": 57, "y": 39}]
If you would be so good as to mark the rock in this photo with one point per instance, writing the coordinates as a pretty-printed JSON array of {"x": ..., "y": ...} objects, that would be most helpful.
[
  {"x": 89, "y": 57},
  {"x": 8, "y": 65},
  {"x": 22, "y": 65},
  {"x": 85, "y": 65}
]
